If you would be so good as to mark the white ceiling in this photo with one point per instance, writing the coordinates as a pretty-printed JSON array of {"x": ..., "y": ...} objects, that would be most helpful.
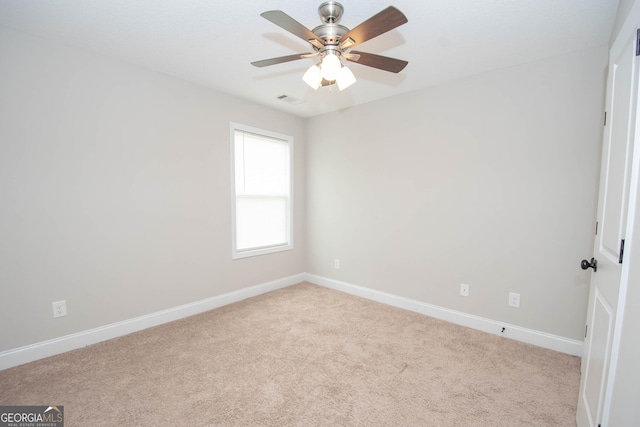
[{"x": 211, "y": 42}]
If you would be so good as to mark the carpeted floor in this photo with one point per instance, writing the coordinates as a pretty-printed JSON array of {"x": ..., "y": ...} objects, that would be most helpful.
[{"x": 304, "y": 356}]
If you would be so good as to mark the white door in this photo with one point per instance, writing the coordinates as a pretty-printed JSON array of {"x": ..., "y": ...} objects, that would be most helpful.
[{"x": 615, "y": 174}]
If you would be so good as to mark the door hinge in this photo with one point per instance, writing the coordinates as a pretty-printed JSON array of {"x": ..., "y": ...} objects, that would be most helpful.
[
  {"x": 621, "y": 251},
  {"x": 638, "y": 42},
  {"x": 605, "y": 119},
  {"x": 596, "y": 228},
  {"x": 585, "y": 330}
]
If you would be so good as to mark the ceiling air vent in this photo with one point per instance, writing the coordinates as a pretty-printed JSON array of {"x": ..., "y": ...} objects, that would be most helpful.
[{"x": 290, "y": 100}]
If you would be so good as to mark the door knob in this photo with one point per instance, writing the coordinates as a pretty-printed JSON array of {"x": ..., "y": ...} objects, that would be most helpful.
[{"x": 589, "y": 264}]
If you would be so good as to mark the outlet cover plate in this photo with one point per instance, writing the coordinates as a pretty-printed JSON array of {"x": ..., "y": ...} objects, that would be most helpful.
[
  {"x": 464, "y": 290},
  {"x": 514, "y": 300},
  {"x": 59, "y": 308}
]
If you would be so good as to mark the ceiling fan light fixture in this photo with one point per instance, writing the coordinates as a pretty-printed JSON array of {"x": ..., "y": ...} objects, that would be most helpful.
[
  {"x": 345, "y": 78},
  {"x": 331, "y": 66},
  {"x": 313, "y": 77}
]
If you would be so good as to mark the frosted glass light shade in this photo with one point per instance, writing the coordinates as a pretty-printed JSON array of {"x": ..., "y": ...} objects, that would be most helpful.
[
  {"x": 345, "y": 78},
  {"x": 331, "y": 66},
  {"x": 312, "y": 77}
]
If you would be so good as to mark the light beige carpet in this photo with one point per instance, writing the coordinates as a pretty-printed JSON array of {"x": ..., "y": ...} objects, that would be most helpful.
[{"x": 303, "y": 356}]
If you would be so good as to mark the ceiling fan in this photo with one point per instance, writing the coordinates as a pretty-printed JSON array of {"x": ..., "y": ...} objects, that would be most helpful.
[{"x": 331, "y": 42}]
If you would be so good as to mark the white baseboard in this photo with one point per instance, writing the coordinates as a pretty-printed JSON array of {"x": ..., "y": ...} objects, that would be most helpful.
[
  {"x": 29, "y": 353},
  {"x": 530, "y": 336}
]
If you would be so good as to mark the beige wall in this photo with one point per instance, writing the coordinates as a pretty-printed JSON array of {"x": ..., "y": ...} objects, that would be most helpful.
[
  {"x": 624, "y": 7},
  {"x": 115, "y": 189},
  {"x": 490, "y": 181},
  {"x": 114, "y": 183}
]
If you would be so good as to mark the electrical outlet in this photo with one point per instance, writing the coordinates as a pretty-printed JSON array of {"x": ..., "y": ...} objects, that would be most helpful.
[
  {"x": 464, "y": 290},
  {"x": 514, "y": 300},
  {"x": 336, "y": 264},
  {"x": 59, "y": 308}
]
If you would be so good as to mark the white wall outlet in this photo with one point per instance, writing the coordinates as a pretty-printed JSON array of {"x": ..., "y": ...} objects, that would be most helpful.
[
  {"x": 514, "y": 300},
  {"x": 336, "y": 264},
  {"x": 59, "y": 308},
  {"x": 464, "y": 290}
]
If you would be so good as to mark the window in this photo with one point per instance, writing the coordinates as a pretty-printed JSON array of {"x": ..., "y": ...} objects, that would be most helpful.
[{"x": 261, "y": 202}]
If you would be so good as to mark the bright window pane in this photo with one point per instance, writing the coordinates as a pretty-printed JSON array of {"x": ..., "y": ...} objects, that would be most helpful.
[
  {"x": 262, "y": 191},
  {"x": 260, "y": 222},
  {"x": 264, "y": 166}
]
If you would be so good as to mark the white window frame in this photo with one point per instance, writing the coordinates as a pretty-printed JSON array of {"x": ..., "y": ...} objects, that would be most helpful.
[{"x": 238, "y": 254}]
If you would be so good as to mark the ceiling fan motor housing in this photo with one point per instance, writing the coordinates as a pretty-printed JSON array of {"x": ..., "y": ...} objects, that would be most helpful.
[
  {"x": 330, "y": 33},
  {"x": 330, "y": 14}
]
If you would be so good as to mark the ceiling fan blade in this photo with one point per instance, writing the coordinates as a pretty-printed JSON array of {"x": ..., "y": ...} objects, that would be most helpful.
[
  {"x": 286, "y": 22},
  {"x": 278, "y": 60},
  {"x": 380, "y": 23},
  {"x": 378, "y": 61}
]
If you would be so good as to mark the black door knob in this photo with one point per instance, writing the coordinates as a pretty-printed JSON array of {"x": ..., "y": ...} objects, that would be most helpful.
[{"x": 589, "y": 264}]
